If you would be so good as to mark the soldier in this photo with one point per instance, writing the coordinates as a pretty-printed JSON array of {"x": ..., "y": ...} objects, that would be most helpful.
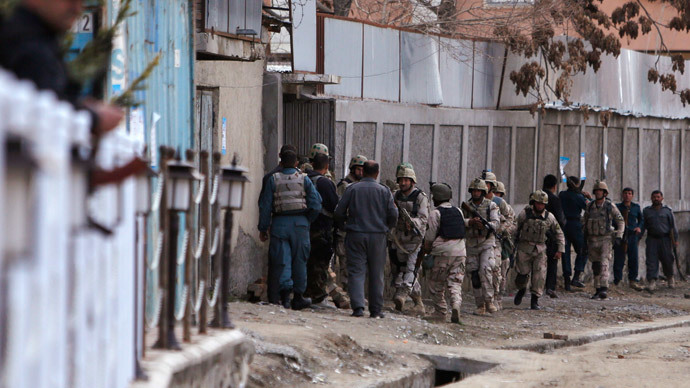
[
  {"x": 506, "y": 251},
  {"x": 632, "y": 214},
  {"x": 370, "y": 212},
  {"x": 599, "y": 216},
  {"x": 480, "y": 244},
  {"x": 408, "y": 235},
  {"x": 287, "y": 206},
  {"x": 506, "y": 228},
  {"x": 320, "y": 279},
  {"x": 317, "y": 149},
  {"x": 445, "y": 242},
  {"x": 533, "y": 225},
  {"x": 573, "y": 202},
  {"x": 356, "y": 169},
  {"x": 662, "y": 236},
  {"x": 549, "y": 186}
]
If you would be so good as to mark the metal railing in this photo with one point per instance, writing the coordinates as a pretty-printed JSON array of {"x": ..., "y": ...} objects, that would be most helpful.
[{"x": 76, "y": 258}]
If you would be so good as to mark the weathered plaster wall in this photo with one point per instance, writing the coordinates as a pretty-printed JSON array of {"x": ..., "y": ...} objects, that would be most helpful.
[{"x": 240, "y": 87}]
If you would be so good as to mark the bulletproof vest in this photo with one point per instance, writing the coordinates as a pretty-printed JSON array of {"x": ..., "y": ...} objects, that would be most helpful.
[
  {"x": 535, "y": 227},
  {"x": 345, "y": 181},
  {"x": 289, "y": 194},
  {"x": 485, "y": 210},
  {"x": 599, "y": 219},
  {"x": 314, "y": 179},
  {"x": 410, "y": 204},
  {"x": 452, "y": 223}
]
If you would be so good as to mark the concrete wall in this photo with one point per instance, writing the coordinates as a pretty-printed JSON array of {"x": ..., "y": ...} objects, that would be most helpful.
[
  {"x": 455, "y": 145},
  {"x": 240, "y": 90}
]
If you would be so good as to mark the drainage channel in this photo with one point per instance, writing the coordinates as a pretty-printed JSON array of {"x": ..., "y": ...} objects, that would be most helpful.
[{"x": 450, "y": 370}]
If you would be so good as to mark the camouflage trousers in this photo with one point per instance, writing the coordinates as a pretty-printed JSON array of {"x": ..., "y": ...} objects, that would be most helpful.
[
  {"x": 531, "y": 262},
  {"x": 341, "y": 265},
  {"x": 600, "y": 250},
  {"x": 405, "y": 275},
  {"x": 480, "y": 258},
  {"x": 447, "y": 274},
  {"x": 497, "y": 273},
  {"x": 505, "y": 265},
  {"x": 320, "y": 278}
]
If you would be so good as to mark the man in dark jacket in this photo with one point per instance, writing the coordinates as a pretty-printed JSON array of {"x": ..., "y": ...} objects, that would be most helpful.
[
  {"x": 550, "y": 186},
  {"x": 30, "y": 47},
  {"x": 573, "y": 202},
  {"x": 320, "y": 282}
]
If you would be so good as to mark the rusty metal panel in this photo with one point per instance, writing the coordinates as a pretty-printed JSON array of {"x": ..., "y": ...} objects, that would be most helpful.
[
  {"x": 309, "y": 122},
  {"x": 420, "y": 80},
  {"x": 381, "y": 63},
  {"x": 343, "y": 56}
]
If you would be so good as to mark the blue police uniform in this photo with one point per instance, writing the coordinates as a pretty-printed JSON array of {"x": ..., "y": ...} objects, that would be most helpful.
[
  {"x": 573, "y": 203},
  {"x": 659, "y": 224},
  {"x": 289, "y": 245},
  {"x": 635, "y": 220}
]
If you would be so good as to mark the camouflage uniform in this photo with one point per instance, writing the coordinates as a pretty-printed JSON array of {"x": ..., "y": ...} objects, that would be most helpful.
[
  {"x": 506, "y": 228},
  {"x": 417, "y": 204},
  {"x": 480, "y": 253},
  {"x": 449, "y": 265},
  {"x": 599, "y": 232},
  {"x": 532, "y": 231}
]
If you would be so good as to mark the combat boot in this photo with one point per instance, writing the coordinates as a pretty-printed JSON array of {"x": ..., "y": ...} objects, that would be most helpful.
[
  {"x": 481, "y": 310},
  {"x": 635, "y": 285},
  {"x": 576, "y": 280},
  {"x": 498, "y": 304},
  {"x": 418, "y": 305},
  {"x": 399, "y": 300},
  {"x": 602, "y": 293},
  {"x": 455, "y": 315},
  {"x": 671, "y": 282},
  {"x": 518, "y": 296},
  {"x": 652, "y": 285},
  {"x": 596, "y": 293},
  {"x": 566, "y": 283},
  {"x": 534, "y": 303},
  {"x": 340, "y": 300},
  {"x": 490, "y": 307},
  {"x": 299, "y": 302},
  {"x": 285, "y": 298}
]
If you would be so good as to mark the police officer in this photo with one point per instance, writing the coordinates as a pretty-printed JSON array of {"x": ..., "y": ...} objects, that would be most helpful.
[
  {"x": 370, "y": 212},
  {"x": 534, "y": 223},
  {"x": 408, "y": 235},
  {"x": 631, "y": 212},
  {"x": 600, "y": 214},
  {"x": 287, "y": 206},
  {"x": 273, "y": 282},
  {"x": 444, "y": 240},
  {"x": 660, "y": 226},
  {"x": 506, "y": 250},
  {"x": 355, "y": 175},
  {"x": 506, "y": 228},
  {"x": 320, "y": 279},
  {"x": 549, "y": 186},
  {"x": 480, "y": 244},
  {"x": 574, "y": 201}
]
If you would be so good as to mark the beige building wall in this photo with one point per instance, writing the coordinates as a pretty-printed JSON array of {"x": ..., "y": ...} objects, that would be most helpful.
[{"x": 239, "y": 88}]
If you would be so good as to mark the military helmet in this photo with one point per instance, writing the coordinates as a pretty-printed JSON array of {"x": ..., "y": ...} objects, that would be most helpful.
[
  {"x": 478, "y": 184},
  {"x": 601, "y": 185},
  {"x": 316, "y": 149},
  {"x": 442, "y": 192},
  {"x": 489, "y": 177},
  {"x": 539, "y": 196},
  {"x": 358, "y": 161},
  {"x": 500, "y": 188},
  {"x": 405, "y": 170}
]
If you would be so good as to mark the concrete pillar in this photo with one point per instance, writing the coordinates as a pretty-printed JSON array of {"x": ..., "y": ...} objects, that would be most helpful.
[
  {"x": 349, "y": 129},
  {"x": 434, "y": 153},
  {"x": 513, "y": 149},
  {"x": 463, "y": 170}
]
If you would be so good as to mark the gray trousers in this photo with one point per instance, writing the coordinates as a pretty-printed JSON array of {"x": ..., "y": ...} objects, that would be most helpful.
[
  {"x": 365, "y": 251},
  {"x": 659, "y": 250}
]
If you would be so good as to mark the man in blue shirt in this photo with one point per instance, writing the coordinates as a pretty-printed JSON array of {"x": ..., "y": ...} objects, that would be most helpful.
[
  {"x": 662, "y": 235},
  {"x": 632, "y": 213},
  {"x": 287, "y": 206},
  {"x": 573, "y": 202}
]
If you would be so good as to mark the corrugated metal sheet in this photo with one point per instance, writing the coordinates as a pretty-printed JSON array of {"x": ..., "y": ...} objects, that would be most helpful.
[
  {"x": 217, "y": 15},
  {"x": 420, "y": 80},
  {"x": 304, "y": 35},
  {"x": 343, "y": 56},
  {"x": 381, "y": 63},
  {"x": 309, "y": 122},
  {"x": 231, "y": 15},
  {"x": 488, "y": 62},
  {"x": 456, "y": 72}
]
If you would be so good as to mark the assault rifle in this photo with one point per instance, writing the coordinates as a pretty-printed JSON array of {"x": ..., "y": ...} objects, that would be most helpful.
[
  {"x": 405, "y": 215},
  {"x": 483, "y": 220}
]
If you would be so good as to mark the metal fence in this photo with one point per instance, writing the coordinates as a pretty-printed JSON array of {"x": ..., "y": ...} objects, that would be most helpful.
[{"x": 75, "y": 256}]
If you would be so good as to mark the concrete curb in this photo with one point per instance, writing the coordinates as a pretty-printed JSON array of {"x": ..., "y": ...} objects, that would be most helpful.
[
  {"x": 220, "y": 358},
  {"x": 546, "y": 346}
]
